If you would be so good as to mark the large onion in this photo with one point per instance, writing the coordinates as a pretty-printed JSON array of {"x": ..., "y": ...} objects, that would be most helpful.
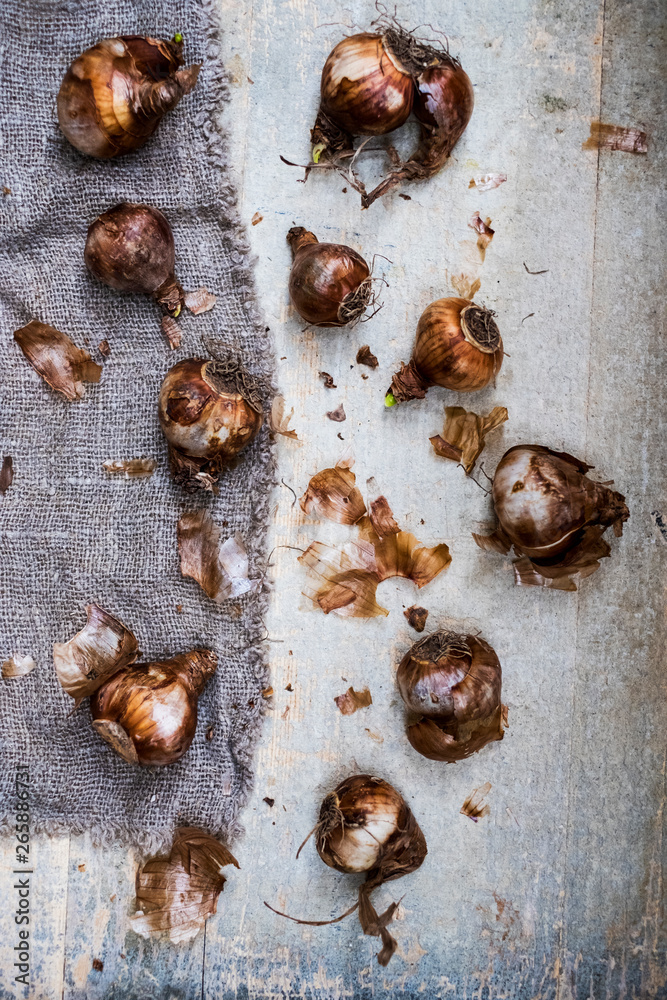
[
  {"x": 209, "y": 412},
  {"x": 454, "y": 682},
  {"x": 553, "y": 515},
  {"x": 115, "y": 94}
]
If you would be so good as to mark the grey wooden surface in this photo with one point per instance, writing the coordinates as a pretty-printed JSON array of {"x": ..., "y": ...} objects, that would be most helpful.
[{"x": 557, "y": 894}]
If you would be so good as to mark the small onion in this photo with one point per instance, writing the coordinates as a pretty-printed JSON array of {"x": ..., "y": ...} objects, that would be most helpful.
[
  {"x": 209, "y": 412},
  {"x": 543, "y": 499},
  {"x": 330, "y": 284},
  {"x": 131, "y": 248},
  {"x": 362, "y": 826},
  {"x": 365, "y": 825},
  {"x": 452, "y": 681},
  {"x": 115, "y": 94},
  {"x": 148, "y": 711},
  {"x": 444, "y": 99},
  {"x": 458, "y": 346}
]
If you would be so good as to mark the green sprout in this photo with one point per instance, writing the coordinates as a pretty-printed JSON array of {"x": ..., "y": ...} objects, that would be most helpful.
[{"x": 390, "y": 400}]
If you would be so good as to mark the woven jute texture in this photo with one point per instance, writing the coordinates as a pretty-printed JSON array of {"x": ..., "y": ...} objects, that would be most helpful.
[{"x": 69, "y": 534}]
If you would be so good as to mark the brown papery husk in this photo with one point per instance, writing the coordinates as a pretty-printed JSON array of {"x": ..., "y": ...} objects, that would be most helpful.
[
  {"x": 350, "y": 806},
  {"x": 220, "y": 568},
  {"x": 544, "y": 502},
  {"x": 352, "y": 700},
  {"x": 155, "y": 704},
  {"x": 454, "y": 681},
  {"x": 6, "y": 474},
  {"x": 176, "y": 895},
  {"x": 382, "y": 518},
  {"x": 103, "y": 646},
  {"x": 329, "y": 284},
  {"x": 464, "y": 434},
  {"x": 345, "y": 580},
  {"x": 458, "y": 346},
  {"x": 333, "y": 494},
  {"x": 280, "y": 420},
  {"x": 115, "y": 94},
  {"x": 57, "y": 359},
  {"x": 197, "y": 399}
]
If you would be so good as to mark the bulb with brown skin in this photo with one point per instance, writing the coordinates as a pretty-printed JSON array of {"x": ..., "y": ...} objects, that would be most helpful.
[
  {"x": 364, "y": 91},
  {"x": 115, "y": 94},
  {"x": 544, "y": 501},
  {"x": 458, "y": 346},
  {"x": 367, "y": 826},
  {"x": 209, "y": 411},
  {"x": 454, "y": 683},
  {"x": 131, "y": 248},
  {"x": 330, "y": 284},
  {"x": 148, "y": 711}
]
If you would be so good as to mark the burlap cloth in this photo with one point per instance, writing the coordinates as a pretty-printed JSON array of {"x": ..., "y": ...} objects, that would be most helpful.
[{"x": 69, "y": 534}]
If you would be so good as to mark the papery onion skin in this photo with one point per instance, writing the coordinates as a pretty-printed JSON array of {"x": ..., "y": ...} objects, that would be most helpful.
[
  {"x": 156, "y": 704},
  {"x": 364, "y": 88},
  {"x": 209, "y": 411},
  {"x": 329, "y": 283},
  {"x": 115, "y": 94},
  {"x": 131, "y": 248},
  {"x": 458, "y": 346},
  {"x": 361, "y": 823},
  {"x": 543, "y": 499},
  {"x": 454, "y": 682}
]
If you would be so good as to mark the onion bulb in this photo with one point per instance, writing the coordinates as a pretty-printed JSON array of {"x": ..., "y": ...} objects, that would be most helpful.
[
  {"x": 148, "y": 711},
  {"x": 553, "y": 515},
  {"x": 115, "y": 94},
  {"x": 453, "y": 682},
  {"x": 330, "y": 284},
  {"x": 458, "y": 346},
  {"x": 365, "y": 90},
  {"x": 209, "y": 412},
  {"x": 131, "y": 249},
  {"x": 371, "y": 82},
  {"x": 365, "y": 825}
]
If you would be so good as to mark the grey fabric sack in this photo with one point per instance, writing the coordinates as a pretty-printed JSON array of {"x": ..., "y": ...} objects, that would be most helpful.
[{"x": 69, "y": 534}]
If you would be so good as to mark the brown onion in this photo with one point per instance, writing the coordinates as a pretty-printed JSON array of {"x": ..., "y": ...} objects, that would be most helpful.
[
  {"x": 148, "y": 711},
  {"x": 330, "y": 284},
  {"x": 365, "y": 825},
  {"x": 453, "y": 681},
  {"x": 458, "y": 346},
  {"x": 209, "y": 412},
  {"x": 131, "y": 248},
  {"x": 364, "y": 91},
  {"x": 553, "y": 515},
  {"x": 115, "y": 94},
  {"x": 543, "y": 499}
]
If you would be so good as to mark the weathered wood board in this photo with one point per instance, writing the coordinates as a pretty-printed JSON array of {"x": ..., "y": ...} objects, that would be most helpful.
[{"x": 557, "y": 893}]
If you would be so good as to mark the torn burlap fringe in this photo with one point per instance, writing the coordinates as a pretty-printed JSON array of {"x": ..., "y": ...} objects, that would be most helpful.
[{"x": 69, "y": 534}]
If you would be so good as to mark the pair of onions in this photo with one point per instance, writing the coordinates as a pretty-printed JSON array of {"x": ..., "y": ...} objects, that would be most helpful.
[
  {"x": 209, "y": 410},
  {"x": 370, "y": 85}
]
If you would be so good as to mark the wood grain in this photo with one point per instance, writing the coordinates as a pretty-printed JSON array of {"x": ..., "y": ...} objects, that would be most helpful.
[{"x": 555, "y": 894}]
